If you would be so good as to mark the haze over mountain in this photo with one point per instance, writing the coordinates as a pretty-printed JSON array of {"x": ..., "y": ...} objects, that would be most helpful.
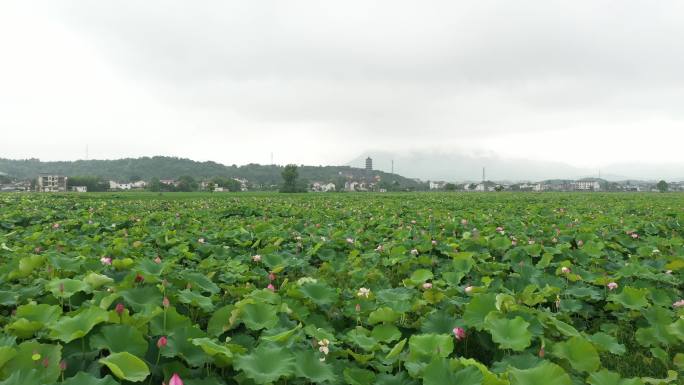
[{"x": 460, "y": 166}]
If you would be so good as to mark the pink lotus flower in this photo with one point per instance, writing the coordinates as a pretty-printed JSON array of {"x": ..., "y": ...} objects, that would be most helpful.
[
  {"x": 256, "y": 258},
  {"x": 379, "y": 249},
  {"x": 414, "y": 252},
  {"x": 427, "y": 285},
  {"x": 565, "y": 270},
  {"x": 62, "y": 365},
  {"x": 201, "y": 240},
  {"x": 580, "y": 243},
  {"x": 434, "y": 243},
  {"x": 514, "y": 242},
  {"x": 350, "y": 240},
  {"x": 679, "y": 303},
  {"x": 271, "y": 277},
  {"x": 530, "y": 242},
  {"x": 635, "y": 235},
  {"x": 468, "y": 289},
  {"x": 612, "y": 286},
  {"x": 554, "y": 240},
  {"x": 55, "y": 226},
  {"x": 157, "y": 260},
  {"x": 106, "y": 260},
  {"x": 175, "y": 380},
  {"x": 270, "y": 287},
  {"x": 161, "y": 342},
  {"x": 464, "y": 222},
  {"x": 165, "y": 302},
  {"x": 459, "y": 333},
  {"x": 119, "y": 309},
  {"x": 357, "y": 307},
  {"x": 542, "y": 352}
]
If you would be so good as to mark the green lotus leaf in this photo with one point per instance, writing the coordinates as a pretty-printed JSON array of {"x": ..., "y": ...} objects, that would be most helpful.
[
  {"x": 82, "y": 378},
  {"x": 167, "y": 321},
  {"x": 180, "y": 345},
  {"x": 439, "y": 322},
  {"x": 219, "y": 322},
  {"x": 122, "y": 263},
  {"x": 400, "y": 378},
  {"x": 24, "y": 377},
  {"x": 143, "y": 299},
  {"x": 195, "y": 299},
  {"x": 398, "y": 299},
  {"x": 510, "y": 333},
  {"x": 282, "y": 336},
  {"x": 579, "y": 352},
  {"x": 358, "y": 376},
  {"x": 477, "y": 310},
  {"x": 31, "y": 354},
  {"x": 421, "y": 275},
  {"x": 631, "y": 298},
  {"x": 6, "y": 354},
  {"x": 546, "y": 373},
  {"x": 308, "y": 365},
  {"x": 212, "y": 348},
  {"x": 33, "y": 317},
  {"x": 426, "y": 346},
  {"x": 360, "y": 337},
  {"x": 201, "y": 281},
  {"x": 383, "y": 314},
  {"x": 126, "y": 366},
  {"x": 565, "y": 328},
  {"x": 68, "y": 329},
  {"x": 120, "y": 338},
  {"x": 606, "y": 377},
  {"x": 396, "y": 350},
  {"x": 96, "y": 281},
  {"x": 66, "y": 287},
  {"x": 440, "y": 372},
  {"x": 265, "y": 364},
  {"x": 386, "y": 333},
  {"x": 319, "y": 293},
  {"x": 27, "y": 265},
  {"x": 608, "y": 343},
  {"x": 677, "y": 329},
  {"x": 257, "y": 316}
]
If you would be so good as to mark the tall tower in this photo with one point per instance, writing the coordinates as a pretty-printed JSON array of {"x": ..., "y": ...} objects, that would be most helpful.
[{"x": 369, "y": 164}]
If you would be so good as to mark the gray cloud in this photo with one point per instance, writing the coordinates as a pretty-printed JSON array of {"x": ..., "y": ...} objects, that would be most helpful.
[{"x": 386, "y": 74}]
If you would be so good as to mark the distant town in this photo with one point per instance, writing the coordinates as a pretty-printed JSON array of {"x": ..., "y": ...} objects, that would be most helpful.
[{"x": 360, "y": 180}]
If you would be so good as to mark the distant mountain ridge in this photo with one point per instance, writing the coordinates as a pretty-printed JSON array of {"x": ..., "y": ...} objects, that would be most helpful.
[
  {"x": 460, "y": 167},
  {"x": 164, "y": 167}
]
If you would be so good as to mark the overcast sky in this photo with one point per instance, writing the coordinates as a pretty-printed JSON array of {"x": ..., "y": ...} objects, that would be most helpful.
[{"x": 587, "y": 83}]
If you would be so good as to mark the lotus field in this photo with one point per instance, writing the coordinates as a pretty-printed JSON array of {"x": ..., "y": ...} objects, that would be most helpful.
[{"x": 466, "y": 289}]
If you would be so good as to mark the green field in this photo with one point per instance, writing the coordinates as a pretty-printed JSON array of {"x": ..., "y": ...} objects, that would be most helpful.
[{"x": 423, "y": 288}]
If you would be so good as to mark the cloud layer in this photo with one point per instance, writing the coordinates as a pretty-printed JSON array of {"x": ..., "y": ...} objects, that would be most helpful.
[{"x": 584, "y": 82}]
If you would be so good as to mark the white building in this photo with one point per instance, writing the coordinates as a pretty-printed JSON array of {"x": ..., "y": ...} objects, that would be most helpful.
[
  {"x": 51, "y": 183},
  {"x": 79, "y": 189},
  {"x": 437, "y": 185},
  {"x": 587, "y": 186}
]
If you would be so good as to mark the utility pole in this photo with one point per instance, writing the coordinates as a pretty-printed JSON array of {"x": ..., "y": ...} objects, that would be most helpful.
[
  {"x": 392, "y": 166},
  {"x": 483, "y": 175},
  {"x": 271, "y": 158}
]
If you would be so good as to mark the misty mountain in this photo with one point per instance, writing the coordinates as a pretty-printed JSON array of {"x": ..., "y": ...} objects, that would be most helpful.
[{"x": 465, "y": 167}]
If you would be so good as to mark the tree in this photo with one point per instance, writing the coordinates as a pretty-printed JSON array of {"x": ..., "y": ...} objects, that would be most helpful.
[
  {"x": 290, "y": 176},
  {"x": 187, "y": 183},
  {"x": 450, "y": 187},
  {"x": 662, "y": 186},
  {"x": 155, "y": 185}
]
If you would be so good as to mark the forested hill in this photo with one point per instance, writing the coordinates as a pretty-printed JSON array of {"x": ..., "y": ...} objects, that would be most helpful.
[{"x": 164, "y": 167}]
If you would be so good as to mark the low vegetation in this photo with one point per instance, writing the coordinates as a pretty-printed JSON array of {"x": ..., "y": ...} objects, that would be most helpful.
[{"x": 467, "y": 289}]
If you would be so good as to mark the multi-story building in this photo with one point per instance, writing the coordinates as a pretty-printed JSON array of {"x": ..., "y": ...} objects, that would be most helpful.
[{"x": 51, "y": 183}]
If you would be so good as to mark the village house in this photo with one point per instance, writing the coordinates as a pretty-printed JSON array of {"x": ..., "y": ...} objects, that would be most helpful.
[{"x": 51, "y": 183}]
